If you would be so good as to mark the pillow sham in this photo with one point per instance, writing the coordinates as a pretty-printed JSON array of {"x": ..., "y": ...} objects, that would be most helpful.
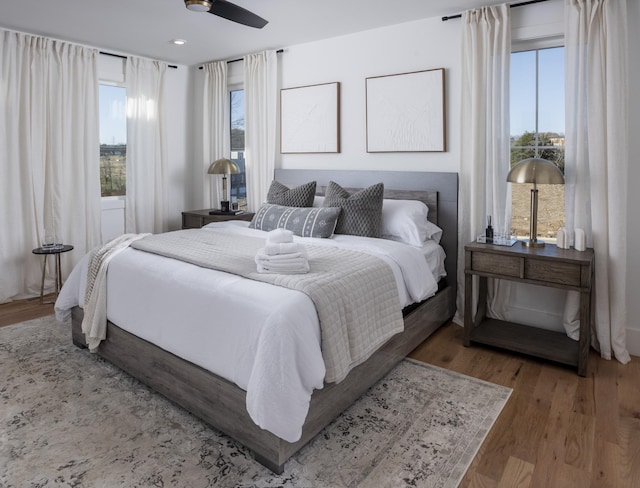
[
  {"x": 361, "y": 211},
  {"x": 404, "y": 221},
  {"x": 302, "y": 221},
  {"x": 300, "y": 196}
]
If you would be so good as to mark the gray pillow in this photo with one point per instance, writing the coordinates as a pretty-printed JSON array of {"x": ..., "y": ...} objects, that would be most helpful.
[
  {"x": 361, "y": 212},
  {"x": 300, "y": 196},
  {"x": 302, "y": 221}
]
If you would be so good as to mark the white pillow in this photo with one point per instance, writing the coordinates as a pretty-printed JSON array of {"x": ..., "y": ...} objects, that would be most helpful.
[
  {"x": 403, "y": 221},
  {"x": 406, "y": 221}
]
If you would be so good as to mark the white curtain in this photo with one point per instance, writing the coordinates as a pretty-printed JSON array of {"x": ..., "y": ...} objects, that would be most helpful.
[
  {"x": 596, "y": 158},
  {"x": 216, "y": 129},
  {"x": 486, "y": 54},
  {"x": 49, "y": 157},
  {"x": 261, "y": 98},
  {"x": 146, "y": 200}
]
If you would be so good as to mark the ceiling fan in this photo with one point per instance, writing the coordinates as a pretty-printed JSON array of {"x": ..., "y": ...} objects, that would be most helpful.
[{"x": 227, "y": 10}]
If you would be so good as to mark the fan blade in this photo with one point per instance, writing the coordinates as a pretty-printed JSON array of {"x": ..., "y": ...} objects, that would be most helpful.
[{"x": 233, "y": 12}]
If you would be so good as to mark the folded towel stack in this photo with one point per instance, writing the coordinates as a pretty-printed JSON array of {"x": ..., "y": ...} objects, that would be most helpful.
[{"x": 281, "y": 255}]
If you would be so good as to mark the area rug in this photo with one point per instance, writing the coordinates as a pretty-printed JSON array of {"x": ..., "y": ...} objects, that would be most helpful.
[{"x": 70, "y": 418}]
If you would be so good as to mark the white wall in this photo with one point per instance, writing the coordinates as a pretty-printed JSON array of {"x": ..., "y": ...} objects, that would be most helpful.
[
  {"x": 419, "y": 45},
  {"x": 633, "y": 228}
]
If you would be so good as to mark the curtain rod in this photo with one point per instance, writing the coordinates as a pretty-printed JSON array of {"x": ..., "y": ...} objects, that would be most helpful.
[
  {"x": 521, "y": 4},
  {"x": 240, "y": 59},
  {"x": 125, "y": 57}
]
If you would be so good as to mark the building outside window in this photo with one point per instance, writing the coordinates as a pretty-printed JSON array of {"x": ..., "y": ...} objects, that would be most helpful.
[
  {"x": 113, "y": 140},
  {"x": 537, "y": 130},
  {"x": 238, "y": 181}
]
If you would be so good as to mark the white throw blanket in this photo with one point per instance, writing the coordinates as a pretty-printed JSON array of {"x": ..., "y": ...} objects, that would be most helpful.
[{"x": 94, "y": 323}]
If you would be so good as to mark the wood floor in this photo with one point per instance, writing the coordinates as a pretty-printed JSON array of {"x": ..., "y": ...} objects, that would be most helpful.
[{"x": 557, "y": 430}]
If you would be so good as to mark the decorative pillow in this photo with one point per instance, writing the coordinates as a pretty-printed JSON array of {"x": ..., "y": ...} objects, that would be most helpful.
[
  {"x": 300, "y": 196},
  {"x": 302, "y": 221},
  {"x": 404, "y": 221},
  {"x": 361, "y": 212}
]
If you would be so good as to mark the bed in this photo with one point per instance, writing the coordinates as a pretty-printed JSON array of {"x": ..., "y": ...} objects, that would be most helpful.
[{"x": 222, "y": 404}]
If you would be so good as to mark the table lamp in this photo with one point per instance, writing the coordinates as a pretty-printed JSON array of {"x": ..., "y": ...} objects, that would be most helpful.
[
  {"x": 223, "y": 167},
  {"x": 539, "y": 172}
]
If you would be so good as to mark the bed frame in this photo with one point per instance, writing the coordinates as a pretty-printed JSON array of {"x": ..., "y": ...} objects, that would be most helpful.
[{"x": 223, "y": 405}]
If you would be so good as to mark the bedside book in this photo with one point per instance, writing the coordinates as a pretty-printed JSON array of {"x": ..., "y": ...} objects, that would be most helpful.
[{"x": 230, "y": 212}]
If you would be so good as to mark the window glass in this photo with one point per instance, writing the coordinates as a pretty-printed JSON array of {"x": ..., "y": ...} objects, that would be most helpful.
[
  {"x": 113, "y": 140},
  {"x": 238, "y": 181},
  {"x": 537, "y": 130}
]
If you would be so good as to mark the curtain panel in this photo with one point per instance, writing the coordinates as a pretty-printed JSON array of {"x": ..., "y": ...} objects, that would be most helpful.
[
  {"x": 485, "y": 151},
  {"x": 261, "y": 98},
  {"x": 146, "y": 199},
  {"x": 216, "y": 131},
  {"x": 49, "y": 157},
  {"x": 596, "y": 159}
]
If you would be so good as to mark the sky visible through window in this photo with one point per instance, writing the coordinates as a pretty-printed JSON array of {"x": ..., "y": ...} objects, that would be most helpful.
[
  {"x": 551, "y": 89},
  {"x": 113, "y": 114}
]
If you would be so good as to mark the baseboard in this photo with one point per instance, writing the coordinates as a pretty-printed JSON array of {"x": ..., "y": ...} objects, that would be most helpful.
[{"x": 633, "y": 341}]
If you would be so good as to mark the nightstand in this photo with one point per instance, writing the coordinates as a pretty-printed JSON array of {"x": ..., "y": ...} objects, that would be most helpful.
[
  {"x": 194, "y": 219},
  {"x": 567, "y": 269}
]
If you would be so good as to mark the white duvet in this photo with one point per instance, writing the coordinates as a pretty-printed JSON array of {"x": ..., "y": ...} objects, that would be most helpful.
[{"x": 264, "y": 338}]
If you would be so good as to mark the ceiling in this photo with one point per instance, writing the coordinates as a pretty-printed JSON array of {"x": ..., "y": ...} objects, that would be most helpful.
[{"x": 146, "y": 27}]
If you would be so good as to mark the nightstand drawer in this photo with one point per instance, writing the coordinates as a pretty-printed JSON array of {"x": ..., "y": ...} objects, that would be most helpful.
[
  {"x": 552, "y": 272},
  {"x": 484, "y": 262},
  {"x": 191, "y": 221}
]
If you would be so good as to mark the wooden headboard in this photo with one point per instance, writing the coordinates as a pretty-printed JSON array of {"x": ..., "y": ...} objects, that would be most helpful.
[{"x": 438, "y": 190}]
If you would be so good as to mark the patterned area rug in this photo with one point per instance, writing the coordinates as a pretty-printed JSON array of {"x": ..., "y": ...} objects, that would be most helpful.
[{"x": 71, "y": 419}]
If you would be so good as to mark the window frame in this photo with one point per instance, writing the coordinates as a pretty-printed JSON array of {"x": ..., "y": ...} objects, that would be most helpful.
[
  {"x": 536, "y": 45},
  {"x": 238, "y": 181},
  {"x": 114, "y": 198}
]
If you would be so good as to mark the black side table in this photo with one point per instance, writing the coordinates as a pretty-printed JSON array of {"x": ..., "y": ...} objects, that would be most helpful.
[{"x": 56, "y": 251}]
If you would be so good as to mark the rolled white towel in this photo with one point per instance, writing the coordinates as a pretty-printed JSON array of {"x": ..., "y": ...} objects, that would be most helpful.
[
  {"x": 281, "y": 248},
  {"x": 279, "y": 236}
]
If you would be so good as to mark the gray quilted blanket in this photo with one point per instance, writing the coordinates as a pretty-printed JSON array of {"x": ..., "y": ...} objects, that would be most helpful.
[{"x": 355, "y": 294}]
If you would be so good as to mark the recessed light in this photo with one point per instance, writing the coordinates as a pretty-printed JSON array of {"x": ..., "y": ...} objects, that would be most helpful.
[{"x": 178, "y": 42}]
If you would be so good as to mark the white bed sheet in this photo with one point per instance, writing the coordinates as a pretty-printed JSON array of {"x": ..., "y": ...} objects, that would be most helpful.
[{"x": 239, "y": 328}]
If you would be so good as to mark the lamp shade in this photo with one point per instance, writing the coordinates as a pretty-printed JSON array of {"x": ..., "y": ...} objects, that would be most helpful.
[
  {"x": 537, "y": 171},
  {"x": 222, "y": 166}
]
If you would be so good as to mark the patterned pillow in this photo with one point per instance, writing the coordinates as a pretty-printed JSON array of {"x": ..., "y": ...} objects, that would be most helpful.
[
  {"x": 361, "y": 212},
  {"x": 300, "y": 196},
  {"x": 302, "y": 221}
]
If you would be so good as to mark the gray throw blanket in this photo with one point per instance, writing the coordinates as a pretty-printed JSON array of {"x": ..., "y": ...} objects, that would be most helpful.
[{"x": 355, "y": 294}]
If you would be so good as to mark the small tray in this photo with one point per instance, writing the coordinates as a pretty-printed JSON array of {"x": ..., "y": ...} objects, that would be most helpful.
[{"x": 497, "y": 240}]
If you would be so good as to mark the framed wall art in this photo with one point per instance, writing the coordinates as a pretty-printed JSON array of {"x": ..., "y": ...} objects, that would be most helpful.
[
  {"x": 406, "y": 112},
  {"x": 310, "y": 119}
]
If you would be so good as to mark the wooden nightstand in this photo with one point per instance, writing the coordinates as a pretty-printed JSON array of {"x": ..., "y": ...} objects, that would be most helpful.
[
  {"x": 194, "y": 219},
  {"x": 546, "y": 266}
]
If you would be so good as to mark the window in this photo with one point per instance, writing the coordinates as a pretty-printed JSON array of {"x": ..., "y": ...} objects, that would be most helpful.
[
  {"x": 113, "y": 140},
  {"x": 537, "y": 130},
  {"x": 238, "y": 181}
]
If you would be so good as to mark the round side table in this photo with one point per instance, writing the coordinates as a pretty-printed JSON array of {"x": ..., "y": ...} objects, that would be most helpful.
[{"x": 56, "y": 251}]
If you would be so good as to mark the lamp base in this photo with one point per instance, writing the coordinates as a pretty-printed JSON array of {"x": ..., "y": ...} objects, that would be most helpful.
[{"x": 535, "y": 243}]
